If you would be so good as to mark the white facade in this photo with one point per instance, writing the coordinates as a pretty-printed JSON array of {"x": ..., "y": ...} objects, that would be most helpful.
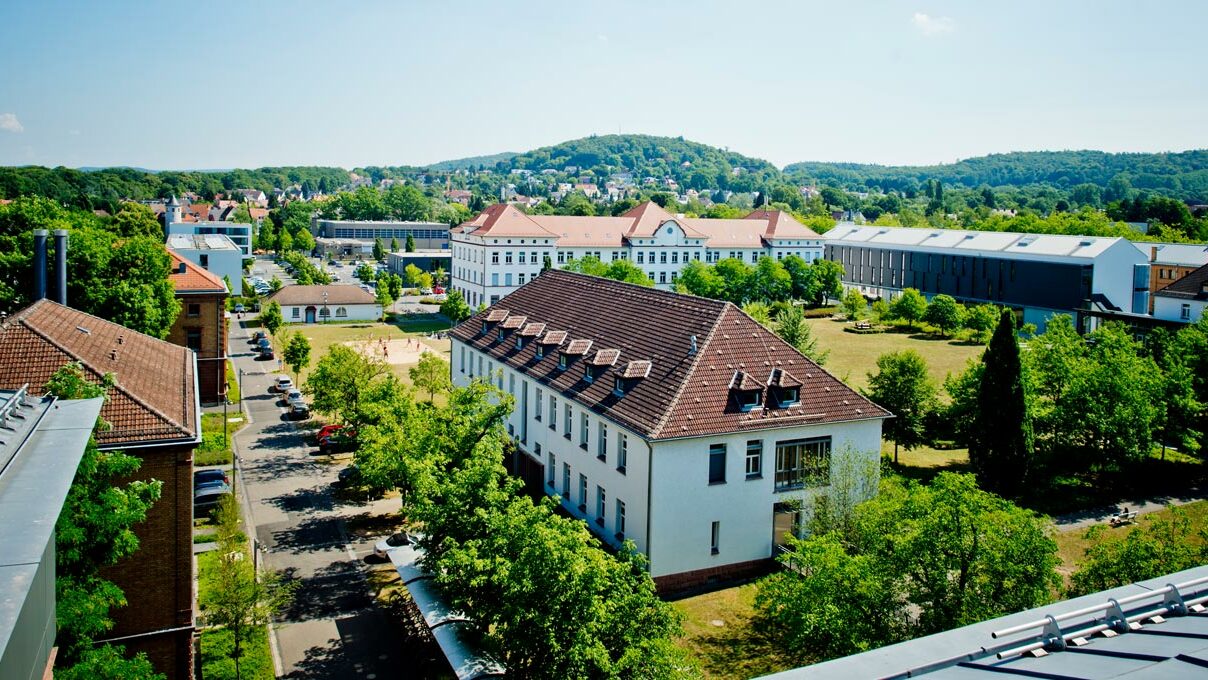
[
  {"x": 239, "y": 234},
  {"x": 657, "y": 493},
  {"x": 1178, "y": 309},
  {"x": 214, "y": 253},
  {"x": 318, "y": 312},
  {"x": 489, "y": 263}
]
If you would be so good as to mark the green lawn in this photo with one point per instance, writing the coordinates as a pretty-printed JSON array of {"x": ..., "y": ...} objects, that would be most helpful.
[
  {"x": 233, "y": 395},
  {"x": 735, "y": 648},
  {"x": 1072, "y": 543},
  {"x": 853, "y": 357},
  {"x": 212, "y": 450}
]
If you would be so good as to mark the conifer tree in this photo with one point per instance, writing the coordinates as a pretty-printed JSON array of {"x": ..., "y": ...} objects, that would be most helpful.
[{"x": 1001, "y": 441}]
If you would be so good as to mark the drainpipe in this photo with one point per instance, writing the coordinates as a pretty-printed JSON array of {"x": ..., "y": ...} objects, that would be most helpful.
[{"x": 649, "y": 503}]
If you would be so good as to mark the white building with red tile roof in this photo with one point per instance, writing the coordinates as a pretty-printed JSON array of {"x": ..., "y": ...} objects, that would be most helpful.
[
  {"x": 673, "y": 421},
  {"x": 502, "y": 248}
]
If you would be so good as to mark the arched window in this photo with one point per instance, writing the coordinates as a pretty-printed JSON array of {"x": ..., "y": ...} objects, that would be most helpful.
[{"x": 341, "y": 312}]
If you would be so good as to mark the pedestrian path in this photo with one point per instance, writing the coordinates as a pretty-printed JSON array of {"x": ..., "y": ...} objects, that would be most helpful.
[{"x": 1142, "y": 506}]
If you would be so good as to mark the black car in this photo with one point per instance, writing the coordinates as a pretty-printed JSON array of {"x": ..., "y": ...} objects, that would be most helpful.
[
  {"x": 207, "y": 498},
  {"x": 204, "y": 477},
  {"x": 266, "y": 353},
  {"x": 258, "y": 336}
]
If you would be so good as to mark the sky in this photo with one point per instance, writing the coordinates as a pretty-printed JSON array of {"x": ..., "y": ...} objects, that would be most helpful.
[{"x": 216, "y": 84}]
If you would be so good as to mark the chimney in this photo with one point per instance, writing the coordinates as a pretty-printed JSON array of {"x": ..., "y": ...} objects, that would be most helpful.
[
  {"x": 40, "y": 263},
  {"x": 1153, "y": 253},
  {"x": 61, "y": 265}
]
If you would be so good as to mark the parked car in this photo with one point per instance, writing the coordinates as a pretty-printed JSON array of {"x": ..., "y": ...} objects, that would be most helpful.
[
  {"x": 425, "y": 291},
  {"x": 207, "y": 498},
  {"x": 263, "y": 342},
  {"x": 239, "y": 309},
  {"x": 299, "y": 410},
  {"x": 283, "y": 384},
  {"x": 210, "y": 475},
  {"x": 393, "y": 541},
  {"x": 437, "y": 290},
  {"x": 266, "y": 353},
  {"x": 340, "y": 441},
  {"x": 325, "y": 431},
  {"x": 258, "y": 336}
]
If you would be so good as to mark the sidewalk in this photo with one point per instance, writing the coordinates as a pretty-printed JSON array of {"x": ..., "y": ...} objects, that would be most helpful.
[{"x": 1142, "y": 506}]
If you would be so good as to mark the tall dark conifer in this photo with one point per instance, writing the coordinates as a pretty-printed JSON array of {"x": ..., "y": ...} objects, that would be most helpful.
[{"x": 1001, "y": 446}]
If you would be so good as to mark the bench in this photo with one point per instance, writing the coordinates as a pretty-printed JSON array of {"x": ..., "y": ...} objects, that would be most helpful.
[
  {"x": 863, "y": 326},
  {"x": 1126, "y": 516}
]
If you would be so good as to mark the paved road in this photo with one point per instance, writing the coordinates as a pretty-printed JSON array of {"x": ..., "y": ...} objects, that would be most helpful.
[{"x": 333, "y": 629}]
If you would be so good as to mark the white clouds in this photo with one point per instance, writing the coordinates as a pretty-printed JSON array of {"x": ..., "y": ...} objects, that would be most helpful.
[
  {"x": 933, "y": 26},
  {"x": 9, "y": 123}
]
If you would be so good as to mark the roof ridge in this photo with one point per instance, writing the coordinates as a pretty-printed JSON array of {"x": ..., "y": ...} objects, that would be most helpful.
[
  {"x": 702, "y": 347},
  {"x": 23, "y": 320}
]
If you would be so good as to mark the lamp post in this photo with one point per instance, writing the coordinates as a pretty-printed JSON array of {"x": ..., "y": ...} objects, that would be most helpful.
[{"x": 326, "y": 313}]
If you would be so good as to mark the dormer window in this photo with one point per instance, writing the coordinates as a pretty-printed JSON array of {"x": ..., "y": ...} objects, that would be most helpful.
[
  {"x": 783, "y": 389},
  {"x": 563, "y": 361},
  {"x": 747, "y": 399},
  {"x": 618, "y": 386},
  {"x": 589, "y": 373},
  {"x": 746, "y": 391},
  {"x": 540, "y": 352},
  {"x": 789, "y": 396},
  {"x": 485, "y": 327},
  {"x": 500, "y": 333},
  {"x": 519, "y": 342}
]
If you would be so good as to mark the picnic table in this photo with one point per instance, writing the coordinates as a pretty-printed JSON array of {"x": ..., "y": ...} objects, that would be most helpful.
[
  {"x": 1123, "y": 517},
  {"x": 863, "y": 326}
]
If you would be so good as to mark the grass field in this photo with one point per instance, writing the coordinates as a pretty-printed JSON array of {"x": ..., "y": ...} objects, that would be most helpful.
[
  {"x": 323, "y": 336},
  {"x": 1072, "y": 543},
  {"x": 735, "y": 648},
  {"x": 853, "y": 357}
]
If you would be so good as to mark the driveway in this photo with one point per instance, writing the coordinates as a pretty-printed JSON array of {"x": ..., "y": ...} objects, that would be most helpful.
[{"x": 334, "y": 628}]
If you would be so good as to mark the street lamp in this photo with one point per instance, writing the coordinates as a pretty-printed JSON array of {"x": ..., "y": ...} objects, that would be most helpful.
[{"x": 326, "y": 313}]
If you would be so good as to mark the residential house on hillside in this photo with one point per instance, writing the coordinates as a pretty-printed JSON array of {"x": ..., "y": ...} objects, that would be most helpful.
[
  {"x": 154, "y": 413},
  {"x": 201, "y": 325},
  {"x": 502, "y": 248},
  {"x": 1037, "y": 274},
  {"x": 1184, "y": 300},
  {"x": 674, "y": 421},
  {"x": 311, "y": 304},
  {"x": 43, "y": 443}
]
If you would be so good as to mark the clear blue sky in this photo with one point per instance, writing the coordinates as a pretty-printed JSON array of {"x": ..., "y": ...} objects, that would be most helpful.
[{"x": 220, "y": 84}]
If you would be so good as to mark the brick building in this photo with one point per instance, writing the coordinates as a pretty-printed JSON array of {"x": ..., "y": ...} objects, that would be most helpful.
[
  {"x": 155, "y": 415},
  {"x": 674, "y": 421},
  {"x": 201, "y": 325}
]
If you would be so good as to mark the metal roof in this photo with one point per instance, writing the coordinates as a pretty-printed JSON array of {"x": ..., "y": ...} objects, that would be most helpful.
[
  {"x": 1151, "y": 629},
  {"x": 1044, "y": 246},
  {"x": 41, "y": 442},
  {"x": 1183, "y": 254},
  {"x": 201, "y": 242}
]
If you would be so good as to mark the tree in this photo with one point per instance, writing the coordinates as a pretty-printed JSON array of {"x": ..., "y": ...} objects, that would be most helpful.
[
  {"x": 382, "y": 294},
  {"x": 95, "y": 530},
  {"x": 238, "y": 599},
  {"x": 828, "y": 280},
  {"x": 431, "y": 374},
  {"x": 107, "y": 662},
  {"x": 135, "y": 219},
  {"x": 802, "y": 275},
  {"x": 624, "y": 270},
  {"x": 903, "y": 386},
  {"x": 945, "y": 313},
  {"x": 963, "y": 555},
  {"x": 407, "y": 203},
  {"x": 588, "y": 264},
  {"x": 735, "y": 278},
  {"x": 303, "y": 242},
  {"x": 770, "y": 281},
  {"x": 393, "y": 244},
  {"x": 410, "y": 243},
  {"x": 828, "y": 603},
  {"x": 340, "y": 379},
  {"x": 454, "y": 308},
  {"x": 1000, "y": 443},
  {"x": 1153, "y": 549},
  {"x": 546, "y": 263},
  {"x": 275, "y": 284},
  {"x": 700, "y": 279},
  {"x": 367, "y": 274},
  {"x": 879, "y": 310},
  {"x": 412, "y": 273},
  {"x": 270, "y": 317},
  {"x": 853, "y": 304},
  {"x": 910, "y": 306},
  {"x": 297, "y": 354},
  {"x": 981, "y": 319},
  {"x": 394, "y": 283},
  {"x": 792, "y": 327},
  {"x": 379, "y": 253}
]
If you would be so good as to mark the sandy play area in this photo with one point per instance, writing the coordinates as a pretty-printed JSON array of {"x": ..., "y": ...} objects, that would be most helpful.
[{"x": 393, "y": 351}]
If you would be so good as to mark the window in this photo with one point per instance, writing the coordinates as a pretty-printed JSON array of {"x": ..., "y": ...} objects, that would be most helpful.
[
  {"x": 540, "y": 351},
  {"x": 205, "y": 261},
  {"x": 566, "y": 481},
  {"x": 717, "y": 464},
  {"x": 507, "y": 279},
  {"x": 561, "y": 257},
  {"x": 520, "y": 278},
  {"x": 567, "y": 422},
  {"x": 553, "y": 413},
  {"x": 662, "y": 277},
  {"x": 324, "y": 312},
  {"x": 641, "y": 257},
  {"x": 619, "y": 519},
  {"x": 540, "y": 398},
  {"x": 193, "y": 339},
  {"x": 521, "y": 259},
  {"x": 480, "y": 365},
  {"x": 714, "y": 538},
  {"x": 602, "y": 442},
  {"x": 674, "y": 258},
  {"x": 583, "y": 431},
  {"x": 520, "y": 345},
  {"x": 494, "y": 257},
  {"x": 582, "y": 492},
  {"x": 297, "y": 312},
  {"x": 622, "y": 452},
  {"x": 507, "y": 257},
  {"x": 552, "y": 469},
  {"x": 600, "y": 501},
  {"x": 755, "y": 459},
  {"x": 494, "y": 278},
  {"x": 747, "y": 399},
  {"x": 788, "y": 396},
  {"x": 341, "y": 312},
  {"x": 1185, "y": 312},
  {"x": 663, "y": 257},
  {"x": 195, "y": 310},
  {"x": 500, "y": 333},
  {"x": 802, "y": 462},
  {"x": 533, "y": 257}
]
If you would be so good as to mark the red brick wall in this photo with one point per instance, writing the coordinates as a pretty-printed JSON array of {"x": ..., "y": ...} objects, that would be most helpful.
[
  {"x": 211, "y": 366},
  {"x": 672, "y": 584},
  {"x": 158, "y": 578}
]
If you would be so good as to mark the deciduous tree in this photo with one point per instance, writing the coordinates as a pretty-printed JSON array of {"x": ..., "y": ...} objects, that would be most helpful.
[
  {"x": 945, "y": 313},
  {"x": 792, "y": 327},
  {"x": 431, "y": 374},
  {"x": 271, "y": 319},
  {"x": 340, "y": 379},
  {"x": 909, "y": 306},
  {"x": 297, "y": 353},
  {"x": 903, "y": 386},
  {"x": 454, "y": 308}
]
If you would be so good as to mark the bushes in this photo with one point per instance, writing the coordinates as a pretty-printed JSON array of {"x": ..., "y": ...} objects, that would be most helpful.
[{"x": 217, "y": 644}]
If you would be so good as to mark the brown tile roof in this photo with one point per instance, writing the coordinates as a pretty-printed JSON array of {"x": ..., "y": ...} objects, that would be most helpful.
[
  {"x": 496, "y": 315},
  {"x": 636, "y": 369},
  {"x": 514, "y": 321},
  {"x": 605, "y": 357},
  {"x": 782, "y": 378},
  {"x": 192, "y": 278},
  {"x": 781, "y": 225},
  {"x": 502, "y": 219},
  {"x": 532, "y": 329},
  {"x": 313, "y": 295},
  {"x": 577, "y": 347},
  {"x": 684, "y": 393},
  {"x": 744, "y": 382},
  {"x": 554, "y": 338},
  {"x": 1193, "y": 286},
  {"x": 155, "y": 398}
]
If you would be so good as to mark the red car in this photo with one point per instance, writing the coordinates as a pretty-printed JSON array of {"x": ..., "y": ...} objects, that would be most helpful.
[
  {"x": 438, "y": 291},
  {"x": 326, "y": 430}
]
